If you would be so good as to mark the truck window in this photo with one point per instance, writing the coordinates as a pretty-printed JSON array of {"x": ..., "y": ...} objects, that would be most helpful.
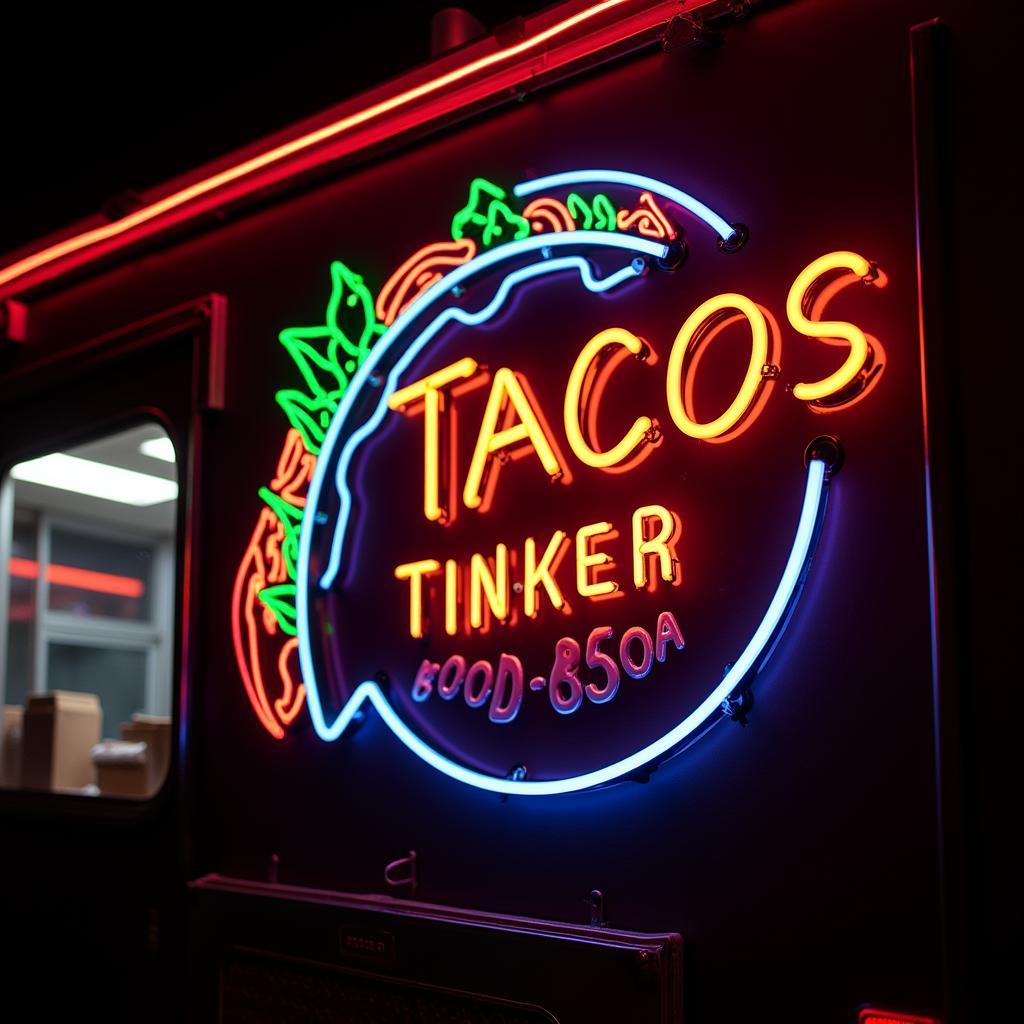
[{"x": 87, "y": 578}]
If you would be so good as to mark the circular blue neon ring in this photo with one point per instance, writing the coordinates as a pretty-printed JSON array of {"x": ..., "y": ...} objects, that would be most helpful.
[{"x": 763, "y": 639}]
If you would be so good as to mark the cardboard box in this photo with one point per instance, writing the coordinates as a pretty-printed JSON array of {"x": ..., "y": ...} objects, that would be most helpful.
[
  {"x": 155, "y": 732},
  {"x": 123, "y": 768},
  {"x": 10, "y": 746},
  {"x": 58, "y": 733}
]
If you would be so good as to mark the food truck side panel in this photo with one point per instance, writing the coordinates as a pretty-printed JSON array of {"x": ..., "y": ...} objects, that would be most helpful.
[{"x": 798, "y": 855}]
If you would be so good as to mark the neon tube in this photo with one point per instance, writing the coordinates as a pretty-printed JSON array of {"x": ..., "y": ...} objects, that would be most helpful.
[
  {"x": 524, "y": 430},
  {"x": 404, "y": 284},
  {"x": 288, "y": 149},
  {"x": 832, "y": 332},
  {"x": 571, "y": 407},
  {"x": 703, "y": 320},
  {"x": 786, "y": 594},
  {"x": 718, "y": 224}
]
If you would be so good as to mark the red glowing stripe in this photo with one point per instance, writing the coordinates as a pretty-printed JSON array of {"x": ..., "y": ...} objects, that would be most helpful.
[
  {"x": 890, "y": 1017},
  {"x": 184, "y": 196},
  {"x": 80, "y": 579}
]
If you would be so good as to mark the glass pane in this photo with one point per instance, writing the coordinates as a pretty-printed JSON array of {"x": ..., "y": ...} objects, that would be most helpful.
[
  {"x": 91, "y": 575},
  {"x": 86, "y": 567},
  {"x": 117, "y": 677}
]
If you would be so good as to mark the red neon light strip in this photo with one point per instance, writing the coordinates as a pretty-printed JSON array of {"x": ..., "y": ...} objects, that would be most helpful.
[
  {"x": 80, "y": 579},
  {"x": 182, "y": 197},
  {"x": 889, "y": 1017}
]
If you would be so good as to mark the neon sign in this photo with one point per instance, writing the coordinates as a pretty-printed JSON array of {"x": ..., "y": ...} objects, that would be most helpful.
[{"x": 598, "y": 588}]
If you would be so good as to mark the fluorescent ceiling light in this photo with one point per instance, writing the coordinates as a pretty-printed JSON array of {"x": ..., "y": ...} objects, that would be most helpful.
[
  {"x": 83, "y": 476},
  {"x": 161, "y": 448}
]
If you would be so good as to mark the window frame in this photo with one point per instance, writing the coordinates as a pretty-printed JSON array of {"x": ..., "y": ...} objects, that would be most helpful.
[{"x": 199, "y": 327}]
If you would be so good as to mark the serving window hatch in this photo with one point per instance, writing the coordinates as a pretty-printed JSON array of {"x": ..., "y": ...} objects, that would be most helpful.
[{"x": 87, "y": 550}]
